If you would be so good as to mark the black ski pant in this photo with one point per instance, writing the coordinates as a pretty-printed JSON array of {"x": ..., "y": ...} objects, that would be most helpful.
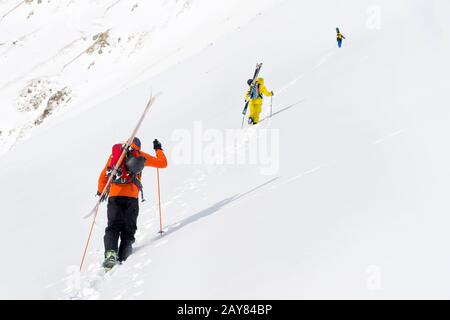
[{"x": 122, "y": 223}]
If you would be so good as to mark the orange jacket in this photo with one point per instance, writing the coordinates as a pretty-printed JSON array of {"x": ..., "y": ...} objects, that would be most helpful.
[{"x": 131, "y": 190}]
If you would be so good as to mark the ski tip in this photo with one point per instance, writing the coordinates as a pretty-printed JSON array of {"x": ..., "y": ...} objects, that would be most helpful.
[
  {"x": 88, "y": 215},
  {"x": 153, "y": 97},
  {"x": 93, "y": 211},
  {"x": 153, "y": 94}
]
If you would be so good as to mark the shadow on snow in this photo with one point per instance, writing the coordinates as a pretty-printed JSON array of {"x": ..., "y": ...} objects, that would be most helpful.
[{"x": 203, "y": 214}]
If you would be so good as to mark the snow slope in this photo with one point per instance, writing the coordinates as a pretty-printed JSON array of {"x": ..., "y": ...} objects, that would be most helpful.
[
  {"x": 91, "y": 50},
  {"x": 355, "y": 208}
]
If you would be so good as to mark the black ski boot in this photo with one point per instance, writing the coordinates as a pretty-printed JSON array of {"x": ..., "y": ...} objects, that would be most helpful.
[{"x": 125, "y": 251}]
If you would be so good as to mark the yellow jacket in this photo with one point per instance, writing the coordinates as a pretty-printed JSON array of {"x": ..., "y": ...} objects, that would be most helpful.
[{"x": 262, "y": 91}]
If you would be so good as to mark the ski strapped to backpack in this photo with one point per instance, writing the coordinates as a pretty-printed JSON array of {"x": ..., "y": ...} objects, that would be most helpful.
[
  {"x": 254, "y": 89},
  {"x": 122, "y": 156},
  {"x": 130, "y": 170}
]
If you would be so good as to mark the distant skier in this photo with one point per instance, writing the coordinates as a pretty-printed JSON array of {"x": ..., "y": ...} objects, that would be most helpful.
[
  {"x": 339, "y": 37},
  {"x": 123, "y": 203},
  {"x": 255, "y": 95}
]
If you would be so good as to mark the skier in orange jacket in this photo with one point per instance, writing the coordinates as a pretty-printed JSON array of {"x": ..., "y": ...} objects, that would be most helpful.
[{"x": 123, "y": 202}]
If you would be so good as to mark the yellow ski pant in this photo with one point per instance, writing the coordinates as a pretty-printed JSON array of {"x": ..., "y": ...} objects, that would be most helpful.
[{"x": 255, "y": 109}]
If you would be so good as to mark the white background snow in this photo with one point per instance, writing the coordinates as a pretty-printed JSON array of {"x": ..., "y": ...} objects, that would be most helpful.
[{"x": 358, "y": 208}]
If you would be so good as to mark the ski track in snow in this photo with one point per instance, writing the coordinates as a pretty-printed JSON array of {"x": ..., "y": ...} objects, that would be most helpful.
[
  {"x": 294, "y": 81},
  {"x": 389, "y": 136}
]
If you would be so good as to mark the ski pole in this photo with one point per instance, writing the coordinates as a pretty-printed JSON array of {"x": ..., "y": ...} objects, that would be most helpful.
[
  {"x": 89, "y": 238},
  {"x": 159, "y": 203},
  {"x": 271, "y": 104}
]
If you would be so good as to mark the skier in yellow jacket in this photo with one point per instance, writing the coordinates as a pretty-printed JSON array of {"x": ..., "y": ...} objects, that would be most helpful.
[{"x": 255, "y": 95}]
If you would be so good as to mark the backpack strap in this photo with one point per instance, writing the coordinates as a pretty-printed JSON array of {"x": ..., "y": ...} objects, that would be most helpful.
[
  {"x": 138, "y": 183},
  {"x": 257, "y": 90},
  {"x": 255, "y": 93},
  {"x": 136, "y": 179}
]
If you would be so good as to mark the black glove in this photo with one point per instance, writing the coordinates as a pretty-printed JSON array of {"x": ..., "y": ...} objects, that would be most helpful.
[
  {"x": 102, "y": 198},
  {"x": 157, "y": 145},
  {"x": 271, "y": 93}
]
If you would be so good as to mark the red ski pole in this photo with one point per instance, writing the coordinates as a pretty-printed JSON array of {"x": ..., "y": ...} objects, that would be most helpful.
[{"x": 161, "y": 231}]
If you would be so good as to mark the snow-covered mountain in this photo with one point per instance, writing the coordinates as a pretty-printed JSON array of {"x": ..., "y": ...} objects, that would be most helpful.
[
  {"x": 345, "y": 198},
  {"x": 57, "y": 56}
]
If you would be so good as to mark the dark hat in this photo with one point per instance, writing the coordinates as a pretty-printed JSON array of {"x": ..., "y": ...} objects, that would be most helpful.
[
  {"x": 249, "y": 81},
  {"x": 137, "y": 142}
]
